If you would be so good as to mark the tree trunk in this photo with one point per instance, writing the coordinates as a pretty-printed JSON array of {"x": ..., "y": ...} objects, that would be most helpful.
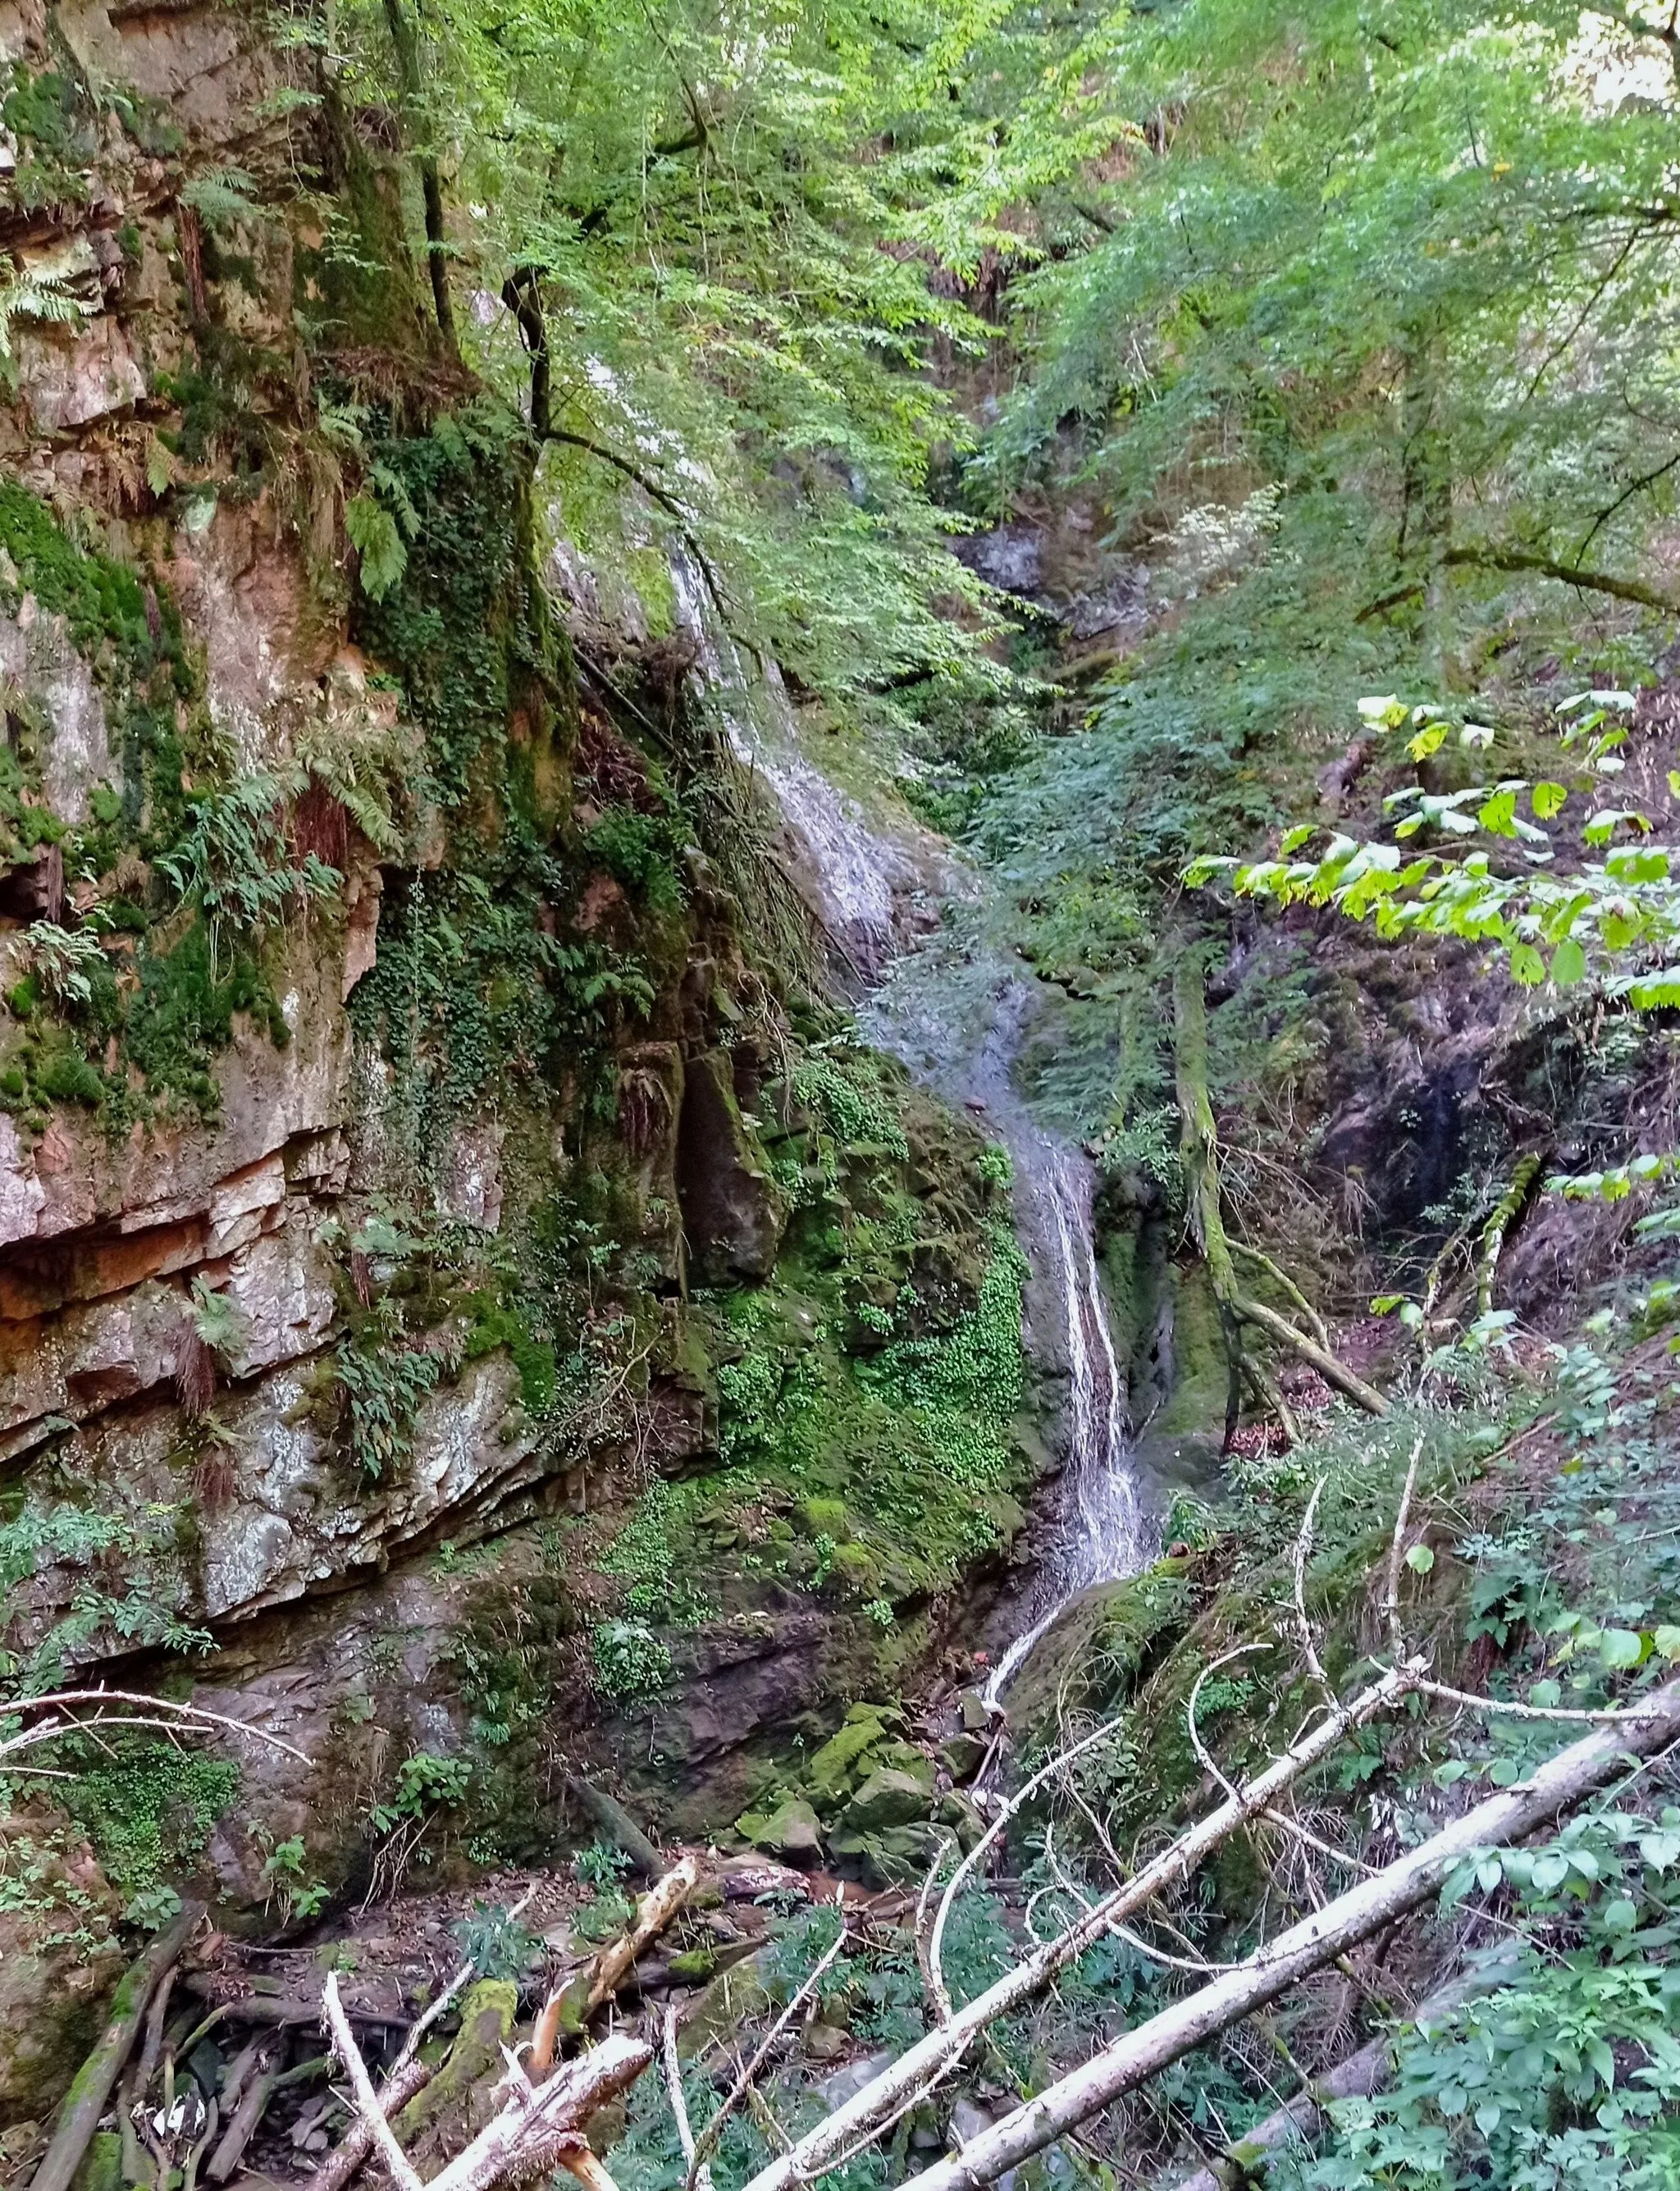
[
  {"x": 406, "y": 40},
  {"x": 96, "y": 2079}
]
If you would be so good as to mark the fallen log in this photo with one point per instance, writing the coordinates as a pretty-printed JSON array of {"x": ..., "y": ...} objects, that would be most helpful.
[
  {"x": 96, "y": 2079},
  {"x": 252, "y": 2097},
  {"x": 615, "y": 1822},
  {"x": 571, "y": 2004},
  {"x": 1300, "y": 2121},
  {"x": 1141, "y": 2053}
]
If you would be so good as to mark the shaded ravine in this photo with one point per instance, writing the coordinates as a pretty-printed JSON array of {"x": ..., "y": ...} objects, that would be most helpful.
[{"x": 955, "y": 1014}]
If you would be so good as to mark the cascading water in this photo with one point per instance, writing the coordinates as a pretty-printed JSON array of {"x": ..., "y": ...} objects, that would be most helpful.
[
  {"x": 959, "y": 1029},
  {"x": 957, "y": 1026}
]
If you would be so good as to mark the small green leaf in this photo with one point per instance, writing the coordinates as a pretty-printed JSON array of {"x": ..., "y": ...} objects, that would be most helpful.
[
  {"x": 1488, "y": 1873},
  {"x": 1420, "y": 1559},
  {"x": 1568, "y": 963},
  {"x": 1666, "y": 1643},
  {"x": 1548, "y": 799},
  {"x": 1620, "y": 1917},
  {"x": 1620, "y": 1647},
  {"x": 1527, "y": 966}
]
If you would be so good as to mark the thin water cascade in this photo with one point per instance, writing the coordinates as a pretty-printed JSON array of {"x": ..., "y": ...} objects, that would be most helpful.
[{"x": 957, "y": 1026}]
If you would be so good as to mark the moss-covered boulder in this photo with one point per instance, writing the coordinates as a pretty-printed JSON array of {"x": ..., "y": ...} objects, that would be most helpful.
[
  {"x": 791, "y": 1831},
  {"x": 888, "y": 1798}
]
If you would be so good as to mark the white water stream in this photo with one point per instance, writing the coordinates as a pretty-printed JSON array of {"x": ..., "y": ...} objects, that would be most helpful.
[{"x": 957, "y": 1024}]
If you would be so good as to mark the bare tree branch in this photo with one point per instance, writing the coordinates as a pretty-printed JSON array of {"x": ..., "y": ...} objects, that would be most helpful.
[
  {"x": 361, "y": 2085},
  {"x": 1558, "y": 1786},
  {"x": 930, "y": 2059}
]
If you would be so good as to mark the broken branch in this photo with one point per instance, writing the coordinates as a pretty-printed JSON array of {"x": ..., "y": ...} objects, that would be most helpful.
[{"x": 1141, "y": 2053}]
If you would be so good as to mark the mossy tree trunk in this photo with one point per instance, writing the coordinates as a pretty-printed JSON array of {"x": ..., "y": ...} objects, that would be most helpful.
[{"x": 1198, "y": 1150}]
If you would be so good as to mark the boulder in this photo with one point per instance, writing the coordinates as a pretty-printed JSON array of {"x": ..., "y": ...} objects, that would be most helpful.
[
  {"x": 889, "y": 1797},
  {"x": 963, "y": 1756},
  {"x": 732, "y": 1210},
  {"x": 792, "y": 1831}
]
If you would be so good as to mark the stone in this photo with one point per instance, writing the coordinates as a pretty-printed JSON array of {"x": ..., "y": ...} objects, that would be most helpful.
[
  {"x": 733, "y": 1211},
  {"x": 824, "y": 2042},
  {"x": 846, "y": 2084},
  {"x": 956, "y": 1811},
  {"x": 974, "y": 1715},
  {"x": 840, "y": 1764},
  {"x": 792, "y": 1831},
  {"x": 964, "y": 1755},
  {"x": 889, "y": 1797},
  {"x": 69, "y": 383},
  {"x": 732, "y": 2000},
  {"x": 693, "y": 1966}
]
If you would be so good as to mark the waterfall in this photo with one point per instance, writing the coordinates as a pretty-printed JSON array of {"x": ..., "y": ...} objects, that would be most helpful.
[{"x": 955, "y": 1015}]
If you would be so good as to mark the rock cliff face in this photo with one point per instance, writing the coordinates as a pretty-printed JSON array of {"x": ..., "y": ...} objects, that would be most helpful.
[{"x": 465, "y": 1305}]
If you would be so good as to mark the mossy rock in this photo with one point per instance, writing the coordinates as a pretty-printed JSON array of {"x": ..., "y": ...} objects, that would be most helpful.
[
  {"x": 827, "y": 1517},
  {"x": 839, "y": 1765},
  {"x": 792, "y": 1831},
  {"x": 693, "y": 1966},
  {"x": 893, "y": 1855},
  {"x": 1095, "y": 1651},
  {"x": 888, "y": 1798},
  {"x": 101, "y": 2168},
  {"x": 963, "y": 1756}
]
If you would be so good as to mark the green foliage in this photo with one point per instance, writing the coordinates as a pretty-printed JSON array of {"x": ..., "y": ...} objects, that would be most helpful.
[
  {"x": 964, "y": 1389},
  {"x": 286, "y": 1883},
  {"x": 642, "y": 850},
  {"x": 425, "y": 1784},
  {"x": 146, "y": 1806},
  {"x": 843, "y": 1092},
  {"x": 494, "y": 1942},
  {"x": 599, "y": 1863},
  {"x": 115, "y": 1565},
  {"x": 628, "y": 1661},
  {"x": 384, "y": 1381},
  {"x": 1621, "y": 910},
  {"x": 1567, "y": 2072},
  {"x": 235, "y": 860}
]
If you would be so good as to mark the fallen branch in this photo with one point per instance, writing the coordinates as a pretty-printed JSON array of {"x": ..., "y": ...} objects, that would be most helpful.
[
  {"x": 96, "y": 2079},
  {"x": 1328, "y": 1367},
  {"x": 367, "y": 2104},
  {"x": 357, "y": 2143},
  {"x": 247, "y": 2113},
  {"x": 572, "y": 2002},
  {"x": 1558, "y": 1786},
  {"x": 699, "y": 2172},
  {"x": 905, "y": 2080},
  {"x": 1302, "y": 2121},
  {"x": 1281, "y": 1278},
  {"x": 542, "y": 2128}
]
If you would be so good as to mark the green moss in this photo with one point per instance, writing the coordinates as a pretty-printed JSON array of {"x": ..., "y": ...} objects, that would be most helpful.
[
  {"x": 148, "y": 1809},
  {"x": 495, "y": 1325}
]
